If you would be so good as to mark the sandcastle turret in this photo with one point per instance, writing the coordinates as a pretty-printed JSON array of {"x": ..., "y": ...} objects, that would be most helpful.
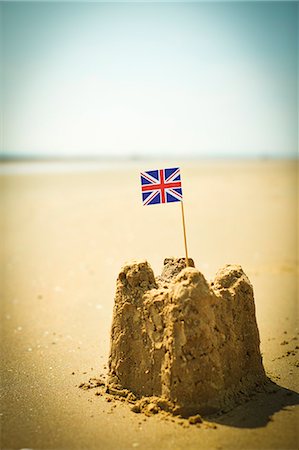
[{"x": 178, "y": 337}]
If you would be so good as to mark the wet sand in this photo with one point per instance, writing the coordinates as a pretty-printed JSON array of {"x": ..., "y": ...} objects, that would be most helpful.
[{"x": 66, "y": 237}]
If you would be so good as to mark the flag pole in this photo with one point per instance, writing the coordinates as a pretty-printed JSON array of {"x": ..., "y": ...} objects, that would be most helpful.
[{"x": 184, "y": 229}]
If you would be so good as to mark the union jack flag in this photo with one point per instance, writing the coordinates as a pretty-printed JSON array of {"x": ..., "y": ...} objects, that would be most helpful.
[{"x": 161, "y": 186}]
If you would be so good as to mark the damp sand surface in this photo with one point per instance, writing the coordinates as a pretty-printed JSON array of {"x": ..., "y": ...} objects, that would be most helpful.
[{"x": 66, "y": 236}]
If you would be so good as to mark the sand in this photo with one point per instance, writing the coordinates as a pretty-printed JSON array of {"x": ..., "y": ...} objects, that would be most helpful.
[
  {"x": 192, "y": 345},
  {"x": 66, "y": 236}
]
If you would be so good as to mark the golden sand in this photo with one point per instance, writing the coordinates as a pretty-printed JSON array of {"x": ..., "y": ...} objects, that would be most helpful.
[
  {"x": 65, "y": 238},
  {"x": 192, "y": 345}
]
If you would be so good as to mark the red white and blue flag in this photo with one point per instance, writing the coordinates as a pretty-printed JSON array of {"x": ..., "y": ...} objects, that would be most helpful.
[{"x": 161, "y": 186}]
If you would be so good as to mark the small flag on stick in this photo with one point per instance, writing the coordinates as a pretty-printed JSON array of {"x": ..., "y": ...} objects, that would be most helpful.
[{"x": 163, "y": 186}]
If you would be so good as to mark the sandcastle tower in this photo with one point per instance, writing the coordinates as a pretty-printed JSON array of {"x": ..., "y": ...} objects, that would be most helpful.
[{"x": 180, "y": 338}]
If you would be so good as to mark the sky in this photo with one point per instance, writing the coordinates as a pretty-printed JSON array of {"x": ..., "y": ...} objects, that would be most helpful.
[{"x": 149, "y": 79}]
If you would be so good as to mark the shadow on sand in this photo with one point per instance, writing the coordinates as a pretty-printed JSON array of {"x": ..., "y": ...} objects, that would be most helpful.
[{"x": 258, "y": 411}]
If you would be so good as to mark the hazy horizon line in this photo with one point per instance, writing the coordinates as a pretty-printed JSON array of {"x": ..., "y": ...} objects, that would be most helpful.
[{"x": 132, "y": 157}]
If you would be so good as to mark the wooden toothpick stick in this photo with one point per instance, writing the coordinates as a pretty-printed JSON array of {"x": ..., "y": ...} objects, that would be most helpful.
[{"x": 184, "y": 229}]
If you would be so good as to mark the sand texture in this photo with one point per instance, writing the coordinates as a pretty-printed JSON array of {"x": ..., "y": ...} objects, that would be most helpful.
[
  {"x": 65, "y": 236},
  {"x": 180, "y": 338}
]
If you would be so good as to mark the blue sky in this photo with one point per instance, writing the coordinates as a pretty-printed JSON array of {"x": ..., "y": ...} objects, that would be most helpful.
[{"x": 150, "y": 79}]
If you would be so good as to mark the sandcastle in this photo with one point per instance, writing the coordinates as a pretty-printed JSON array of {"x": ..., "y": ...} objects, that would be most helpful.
[{"x": 178, "y": 338}]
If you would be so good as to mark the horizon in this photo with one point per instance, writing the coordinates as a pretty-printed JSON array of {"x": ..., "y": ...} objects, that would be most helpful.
[{"x": 145, "y": 157}]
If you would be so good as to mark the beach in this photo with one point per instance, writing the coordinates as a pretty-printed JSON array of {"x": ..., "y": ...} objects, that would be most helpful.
[{"x": 66, "y": 235}]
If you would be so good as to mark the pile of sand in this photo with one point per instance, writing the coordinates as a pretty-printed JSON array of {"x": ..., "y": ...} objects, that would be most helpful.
[{"x": 181, "y": 344}]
